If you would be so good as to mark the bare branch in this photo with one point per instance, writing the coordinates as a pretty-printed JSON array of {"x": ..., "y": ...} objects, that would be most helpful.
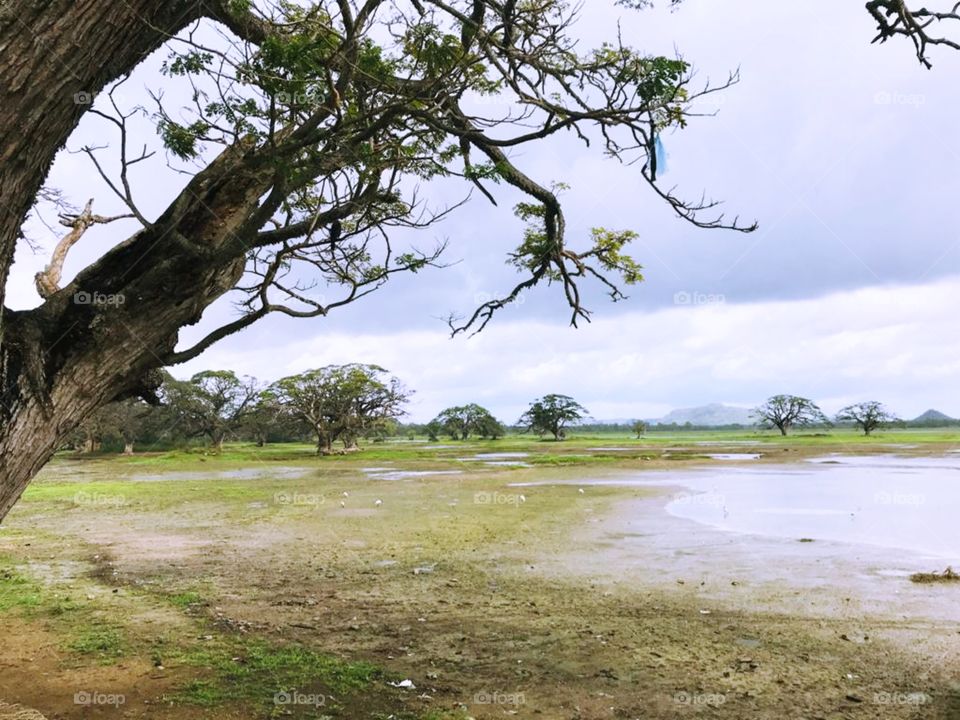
[
  {"x": 893, "y": 18},
  {"x": 47, "y": 281}
]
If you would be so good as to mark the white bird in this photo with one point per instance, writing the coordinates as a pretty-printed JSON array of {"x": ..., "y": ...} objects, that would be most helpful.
[
  {"x": 346, "y": 494},
  {"x": 342, "y": 504},
  {"x": 580, "y": 491},
  {"x": 523, "y": 498},
  {"x": 379, "y": 502}
]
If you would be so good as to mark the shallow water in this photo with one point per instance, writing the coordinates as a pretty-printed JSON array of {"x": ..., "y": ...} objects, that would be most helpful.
[
  {"x": 501, "y": 455},
  {"x": 734, "y": 456},
  {"x": 239, "y": 474},
  {"x": 404, "y": 474},
  {"x": 889, "y": 501}
]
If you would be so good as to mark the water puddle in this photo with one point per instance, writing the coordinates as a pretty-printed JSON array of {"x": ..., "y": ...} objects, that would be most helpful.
[
  {"x": 405, "y": 474},
  {"x": 241, "y": 474},
  {"x": 501, "y": 455}
]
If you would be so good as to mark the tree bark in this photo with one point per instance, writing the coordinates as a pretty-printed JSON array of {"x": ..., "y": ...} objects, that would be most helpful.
[
  {"x": 55, "y": 55},
  {"x": 64, "y": 359}
]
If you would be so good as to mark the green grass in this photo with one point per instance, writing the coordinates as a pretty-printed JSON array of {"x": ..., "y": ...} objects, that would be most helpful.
[
  {"x": 240, "y": 669},
  {"x": 17, "y": 592},
  {"x": 106, "y": 644},
  {"x": 543, "y": 452},
  {"x": 85, "y": 631},
  {"x": 184, "y": 600},
  {"x": 254, "y": 671}
]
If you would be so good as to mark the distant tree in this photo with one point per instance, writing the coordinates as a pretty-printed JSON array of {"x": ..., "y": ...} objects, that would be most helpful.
[
  {"x": 269, "y": 419},
  {"x": 383, "y": 430},
  {"x": 639, "y": 427},
  {"x": 343, "y": 402},
  {"x": 465, "y": 420},
  {"x": 785, "y": 412},
  {"x": 433, "y": 430},
  {"x": 868, "y": 416},
  {"x": 551, "y": 414},
  {"x": 119, "y": 422},
  {"x": 130, "y": 417},
  {"x": 90, "y": 434},
  {"x": 213, "y": 403}
]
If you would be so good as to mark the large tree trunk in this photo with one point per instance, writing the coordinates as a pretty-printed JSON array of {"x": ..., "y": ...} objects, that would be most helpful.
[
  {"x": 64, "y": 359},
  {"x": 55, "y": 55}
]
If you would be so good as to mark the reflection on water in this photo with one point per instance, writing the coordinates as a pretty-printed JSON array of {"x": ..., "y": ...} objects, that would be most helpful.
[
  {"x": 240, "y": 474},
  {"x": 405, "y": 474},
  {"x": 501, "y": 455},
  {"x": 734, "y": 456},
  {"x": 908, "y": 503},
  {"x": 895, "y": 502}
]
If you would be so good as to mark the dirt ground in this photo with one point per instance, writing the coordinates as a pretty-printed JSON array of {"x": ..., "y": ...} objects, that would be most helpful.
[{"x": 559, "y": 604}]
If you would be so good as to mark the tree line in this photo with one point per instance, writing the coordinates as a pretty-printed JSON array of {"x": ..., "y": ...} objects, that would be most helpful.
[
  {"x": 342, "y": 404},
  {"x": 336, "y": 405}
]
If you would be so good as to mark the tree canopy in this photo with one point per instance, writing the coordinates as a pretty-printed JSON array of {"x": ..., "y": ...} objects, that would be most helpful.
[
  {"x": 552, "y": 414},
  {"x": 786, "y": 412},
  {"x": 212, "y": 403},
  {"x": 465, "y": 420},
  {"x": 868, "y": 416},
  {"x": 342, "y": 402}
]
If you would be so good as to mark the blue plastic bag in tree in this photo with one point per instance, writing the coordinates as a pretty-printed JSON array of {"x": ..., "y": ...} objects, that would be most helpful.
[{"x": 661, "y": 156}]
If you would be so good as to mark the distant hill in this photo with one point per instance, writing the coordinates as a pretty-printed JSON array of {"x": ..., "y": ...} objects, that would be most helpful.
[
  {"x": 708, "y": 416},
  {"x": 933, "y": 416}
]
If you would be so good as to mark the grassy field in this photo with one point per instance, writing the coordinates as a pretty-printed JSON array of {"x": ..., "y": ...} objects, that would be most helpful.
[{"x": 269, "y": 582}]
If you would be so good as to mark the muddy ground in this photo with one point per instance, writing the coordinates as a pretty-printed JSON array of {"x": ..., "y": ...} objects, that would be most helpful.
[{"x": 257, "y": 585}]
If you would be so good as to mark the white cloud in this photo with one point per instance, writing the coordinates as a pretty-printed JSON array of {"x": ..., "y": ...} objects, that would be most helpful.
[{"x": 885, "y": 342}]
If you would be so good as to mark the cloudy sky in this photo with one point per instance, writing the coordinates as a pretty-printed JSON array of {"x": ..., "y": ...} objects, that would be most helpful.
[{"x": 844, "y": 152}]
